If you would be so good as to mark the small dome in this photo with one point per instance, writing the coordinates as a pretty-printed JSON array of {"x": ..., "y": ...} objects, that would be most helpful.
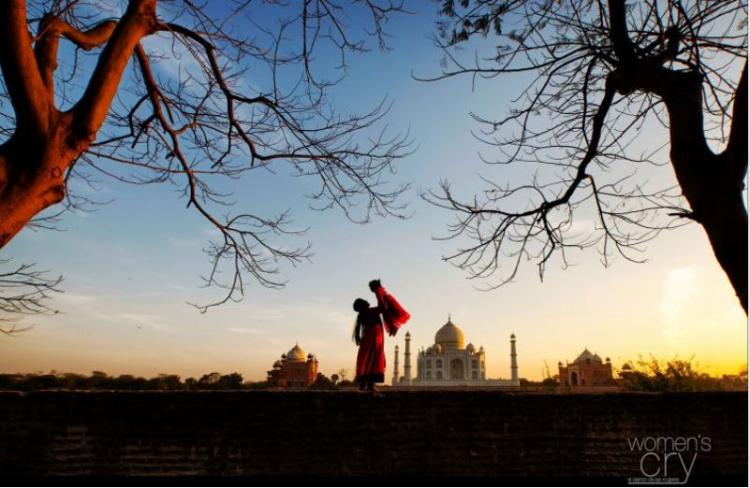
[
  {"x": 277, "y": 365},
  {"x": 513, "y": 336},
  {"x": 470, "y": 347},
  {"x": 450, "y": 336},
  {"x": 626, "y": 367},
  {"x": 295, "y": 354},
  {"x": 438, "y": 349}
]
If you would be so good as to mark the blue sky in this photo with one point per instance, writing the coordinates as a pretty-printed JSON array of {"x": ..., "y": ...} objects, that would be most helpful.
[{"x": 131, "y": 266}]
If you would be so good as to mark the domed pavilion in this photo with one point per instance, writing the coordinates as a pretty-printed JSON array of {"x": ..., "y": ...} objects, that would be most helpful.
[{"x": 295, "y": 368}]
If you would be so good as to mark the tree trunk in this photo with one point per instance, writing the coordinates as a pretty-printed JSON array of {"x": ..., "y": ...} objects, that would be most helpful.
[
  {"x": 32, "y": 179},
  {"x": 725, "y": 222},
  {"x": 712, "y": 183}
]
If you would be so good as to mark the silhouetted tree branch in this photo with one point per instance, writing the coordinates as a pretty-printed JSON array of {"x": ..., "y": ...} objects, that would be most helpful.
[
  {"x": 24, "y": 290},
  {"x": 215, "y": 91},
  {"x": 678, "y": 64}
]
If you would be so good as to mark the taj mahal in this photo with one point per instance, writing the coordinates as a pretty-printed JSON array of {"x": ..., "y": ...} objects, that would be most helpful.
[{"x": 448, "y": 363}]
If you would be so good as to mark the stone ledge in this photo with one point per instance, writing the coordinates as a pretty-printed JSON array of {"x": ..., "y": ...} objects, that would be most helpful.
[{"x": 396, "y": 432}]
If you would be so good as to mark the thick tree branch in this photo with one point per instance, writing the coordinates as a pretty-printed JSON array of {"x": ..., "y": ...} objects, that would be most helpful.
[
  {"x": 51, "y": 28},
  {"x": 31, "y": 101},
  {"x": 593, "y": 147},
  {"x": 138, "y": 21},
  {"x": 618, "y": 32},
  {"x": 736, "y": 150}
]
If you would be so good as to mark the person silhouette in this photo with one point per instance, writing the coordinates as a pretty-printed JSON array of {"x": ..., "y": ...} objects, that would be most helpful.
[{"x": 368, "y": 335}]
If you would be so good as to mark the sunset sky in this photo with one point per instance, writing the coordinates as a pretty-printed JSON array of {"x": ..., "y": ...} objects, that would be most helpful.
[{"x": 131, "y": 267}]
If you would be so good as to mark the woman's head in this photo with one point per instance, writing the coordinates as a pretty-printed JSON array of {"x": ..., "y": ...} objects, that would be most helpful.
[
  {"x": 374, "y": 285},
  {"x": 360, "y": 305}
]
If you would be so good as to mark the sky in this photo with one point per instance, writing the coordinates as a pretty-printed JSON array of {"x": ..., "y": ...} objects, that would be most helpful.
[{"x": 131, "y": 267}]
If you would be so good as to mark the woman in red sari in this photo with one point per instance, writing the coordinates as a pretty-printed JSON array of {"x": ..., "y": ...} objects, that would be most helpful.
[{"x": 368, "y": 335}]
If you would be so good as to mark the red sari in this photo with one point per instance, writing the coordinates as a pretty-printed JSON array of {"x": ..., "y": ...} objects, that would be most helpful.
[
  {"x": 371, "y": 355},
  {"x": 394, "y": 315}
]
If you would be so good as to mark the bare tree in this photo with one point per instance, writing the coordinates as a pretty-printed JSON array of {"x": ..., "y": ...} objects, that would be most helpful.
[
  {"x": 191, "y": 93},
  {"x": 595, "y": 73}
]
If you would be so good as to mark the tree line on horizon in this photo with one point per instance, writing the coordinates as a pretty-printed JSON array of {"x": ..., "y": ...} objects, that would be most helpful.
[
  {"x": 652, "y": 375},
  {"x": 99, "y": 380},
  {"x": 679, "y": 375}
]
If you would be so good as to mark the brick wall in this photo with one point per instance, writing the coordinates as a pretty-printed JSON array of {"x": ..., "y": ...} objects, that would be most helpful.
[{"x": 334, "y": 433}]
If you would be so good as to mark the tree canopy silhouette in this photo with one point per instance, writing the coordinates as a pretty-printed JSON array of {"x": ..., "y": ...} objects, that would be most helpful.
[
  {"x": 597, "y": 73},
  {"x": 191, "y": 93}
]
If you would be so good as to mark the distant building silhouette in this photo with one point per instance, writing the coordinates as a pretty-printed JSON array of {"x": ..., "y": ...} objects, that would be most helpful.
[
  {"x": 294, "y": 369},
  {"x": 587, "y": 370},
  {"x": 627, "y": 372},
  {"x": 449, "y": 363}
]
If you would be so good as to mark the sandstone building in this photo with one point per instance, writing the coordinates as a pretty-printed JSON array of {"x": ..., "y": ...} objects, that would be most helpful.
[
  {"x": 294, "y": 369},
  {"x": 587, "y": 370}
]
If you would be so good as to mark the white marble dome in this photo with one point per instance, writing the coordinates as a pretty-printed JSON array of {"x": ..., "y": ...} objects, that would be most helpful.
[{"x": 450, "y": 336}]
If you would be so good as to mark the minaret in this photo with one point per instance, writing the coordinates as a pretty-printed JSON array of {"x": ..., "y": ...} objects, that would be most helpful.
[
  {"x": 395, "y": 366},
  {"x": 407, "y": 361},
  {"x": 513, "y": 362}
]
